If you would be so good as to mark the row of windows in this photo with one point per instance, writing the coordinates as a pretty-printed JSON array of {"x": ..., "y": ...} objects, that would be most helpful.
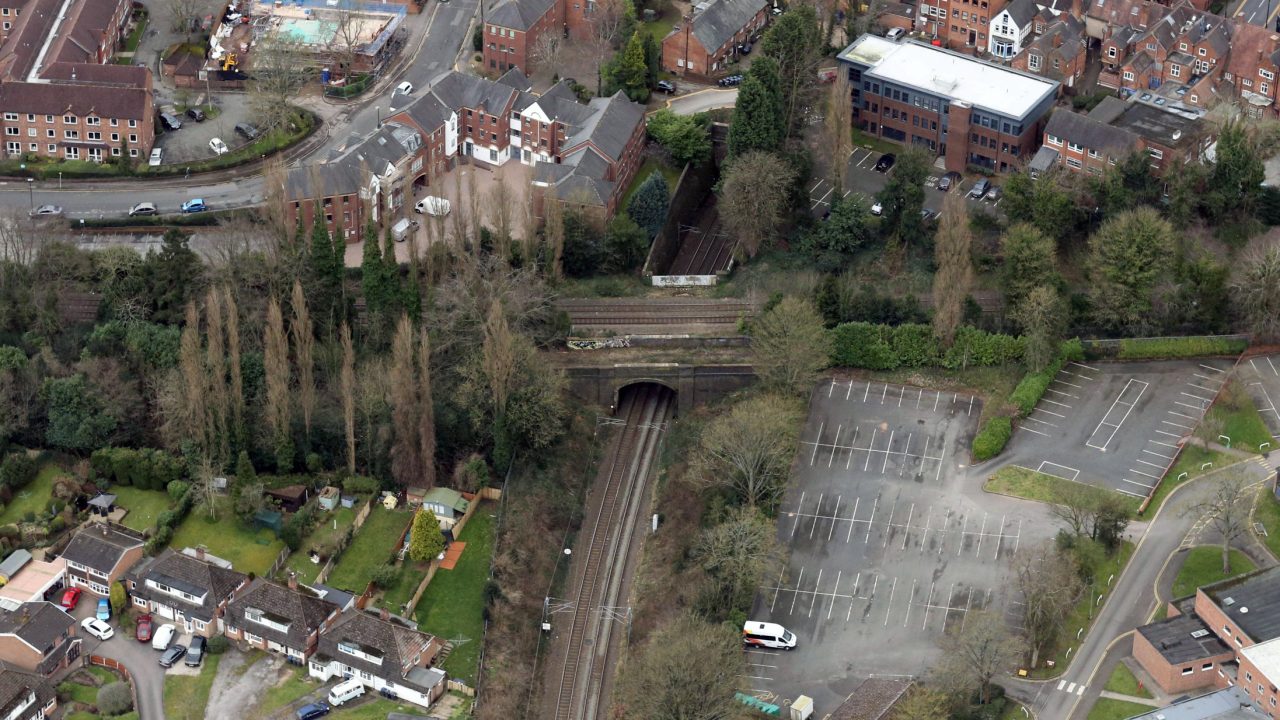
[
  {"x": 72, "y": 153},
  {"x": 966, "y": 17},
  {"x": 91, "y": 120},
  {"x": 956, "y": 29},
  {"x": 984, "y": 141},
  {"x": 501, "y": 32},
  {"x": 69, "y": 134},
  {"x": 1003, "y": 126}
]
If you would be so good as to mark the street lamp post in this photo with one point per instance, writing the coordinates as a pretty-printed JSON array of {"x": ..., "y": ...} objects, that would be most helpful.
[
  {"x": 31, "y": 193},
  {"x": 378, "y": 109}
]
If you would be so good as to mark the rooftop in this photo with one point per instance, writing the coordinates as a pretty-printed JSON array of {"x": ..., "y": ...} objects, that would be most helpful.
[
  {"x": 1153, "y": 123},
  {"x": 101, "y": 545},
  {"x": 1183, "y": 639},
  {"x": 951, "y": 75},
  {"x": 1266, "y": 657},
  {"x": 1228, "y": 704},
  {"x": 871, "y": 700},
  {"x": 1252, "y": 603}
]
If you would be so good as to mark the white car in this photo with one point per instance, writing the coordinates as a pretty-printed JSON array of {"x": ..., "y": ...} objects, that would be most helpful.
[
  {"x": 404, "y": 88},
  {"x": 432, "y": 205},
  {"x": 877, "y": 209},
  {"x": 97, "y": 628},
  {"x": 157, "y": 155},
  {"x": 217, "y": 146},
  {"x": 162, "y": 637}
]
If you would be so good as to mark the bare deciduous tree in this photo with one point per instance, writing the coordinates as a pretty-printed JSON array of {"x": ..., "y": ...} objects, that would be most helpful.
[
  {"x": 754, "y": 197},
  {"x": 838, "y": 124},
  {"x": 193, "y": 386},
  {"x": 789, "y": 345},
  {"x": 236, "y": 395},
  {"x": 373, "y": 390},
  {"x": 426, "y": 413},
  {"x": 922, "y": 704},
  {"x": 498, "y": 356},
  {"x": 554, "y": 234},
  {"x": 749, "y": 450},
  {"x": 280, "y": 69},
  {"x": 186, "y": 14},
  {"x": 349, "y": 395},
  {"x": 406, "y": 459},
  {"x": 219, "y": 401},
  {"x": 982, "y": 649},
  {"x": 954, "y": 276},
  {"x": 689, "y": 669},
  {"x": 548, "y": 50},
  {"x": 500, "y": 215},
  {"x": 1049, "y": 586},
  {"x": 275, "y": 363},
  {"x": 303, "y": 345},
  {"x": 1257, "y": 290},
  {"x": 1227, "y": 512},
  {"x": 738, "y": 553}
]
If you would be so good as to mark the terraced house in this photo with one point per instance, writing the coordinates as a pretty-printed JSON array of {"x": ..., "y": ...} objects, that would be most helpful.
[
  {"x": 60, "y": 96},
  {"x": 192, "y": 590},
  {"x": 706, "y": 41},
  {"x": 385, "y": 653},
  {"x": 24, "y": 696},
  {"x": 281, "y": 619}
]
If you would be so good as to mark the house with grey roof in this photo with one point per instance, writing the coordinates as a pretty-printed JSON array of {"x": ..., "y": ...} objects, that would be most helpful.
[
  {"x": 282, "y": 619},
  {"x": 386, "y": 653},
  {"x": 1011, "y": 28},
  {"x": 600, "y": 158},
  {"x": 704, "y": 42},
  {"x": 38, "y": 637},
  {"x": 24, "y": 696},
  {"x": 99, "y": 554},
  {"x": 189, "y": 591}
]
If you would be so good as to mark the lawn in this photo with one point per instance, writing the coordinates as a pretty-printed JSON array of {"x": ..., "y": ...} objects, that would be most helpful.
[
  {"x": 248, "y": 549},
  {"x": 370, "y": 548},
  {"x": 661, "y": 27},
  {"x": 295, "y": 686},
  {"x": 1032, "y": 485},
  {"x": 186, "y": 696},
  {"x": 1191, "y": 461},
  {"x": 144, "y": 506},
  {"x": 1267, "y": 513},
  {"x": 1082, "y": 615},
  {"x": 401, "y": 592},
  {"x": 131, "y": 42},
  {"x": 331, "y": 526},
  {"x": 1239, "y": 419},
  {"x": 1108, "y": 709},
  {"x": 651, "y": 165},
  {"x": 1122, "y": 681},
  {"x": 866, "y": 140},
  {"x": 1203, "y": 566},
  {"x": 34, "y": 497},
  {"x": 453, "y": 604}
]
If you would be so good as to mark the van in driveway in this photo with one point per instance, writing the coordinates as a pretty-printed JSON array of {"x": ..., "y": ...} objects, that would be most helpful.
[
  {"x": 345, "y": 690},
  {"x": 432, "y": 205}
]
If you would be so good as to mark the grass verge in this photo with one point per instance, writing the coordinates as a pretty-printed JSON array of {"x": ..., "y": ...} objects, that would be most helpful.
[
  {"x": 1203, "y": 566},
  {"x": 1082, "y": 615},
  {"x": 453, "y": 604},
  {"x": 651, "y": 165},
  {"x": 185, "y": 696},
  {"x": 1267, "y": 513},
  {"x": 370, "y": 548},
  {"x": 1108, "y": 709},
  {"x": 1192, "y": 462},
  {"x": 1032, "y": 485},
  {"x": 1239, "y": 420},
  {"x": 1123, "y": 681}
]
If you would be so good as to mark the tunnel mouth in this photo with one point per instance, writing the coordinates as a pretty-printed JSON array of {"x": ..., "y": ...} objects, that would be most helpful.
[{"x": 631, "y": 388}]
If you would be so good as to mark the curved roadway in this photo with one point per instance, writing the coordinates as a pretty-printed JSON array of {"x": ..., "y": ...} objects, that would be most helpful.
[{"x": 430, "y": 54}]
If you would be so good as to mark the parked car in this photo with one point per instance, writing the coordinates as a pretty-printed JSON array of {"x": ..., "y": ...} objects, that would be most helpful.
[
  {"x": 172, "y": 655},
  {"x": 104, "y": 609},
  {"x": 885, "y": 162},
  {"x": 47, "y": 211},
  {"x": 71, "y": 598},
  {"x": 730, "y": 81},
  {"x": 877, "y": 209},
  {"x": 196, "y": 114},
  {"x": 142, "y": 633},
  {"x": 948, "y": 181},
  {"x": 404, "y": 88},
  {"x": 432, "y": 205},
  {"x": 895, "y": 33},
  {"x": 194, "y": 205},
  {"x": 144, "y": 208},
  {"x": 980, "y": 189},
  {"x": 665, "y": 86},
  {"x": 926, "y": 214},
  {"x": 162, "y": 637},
  {"x": 97, "y": 628},
  {"x": 170, "y": 121},
  {"x": 217, "y": 146},
  {"x": 995, "y": 193},
  {"x": 247, "y": 131},
  {"x": 195, "y": 653},
  {"x": 312, "y": 711},
  {"x": 745, "y": 48},
  {"x": 157, "y": 157}
]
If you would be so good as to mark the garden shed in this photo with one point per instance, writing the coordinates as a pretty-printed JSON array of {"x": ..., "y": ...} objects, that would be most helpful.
[
  {"x": 102, "y": 504},
  {"x": 290, "y": 497}
]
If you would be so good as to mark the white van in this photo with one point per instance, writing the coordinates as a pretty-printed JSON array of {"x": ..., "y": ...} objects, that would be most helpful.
[
  {"x": 346, "y": 690},
  {"x": 767, "y": 635},
  {"x": 432, "y": 205}
]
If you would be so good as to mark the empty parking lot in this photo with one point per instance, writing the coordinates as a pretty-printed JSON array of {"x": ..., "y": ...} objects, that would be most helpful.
[
  {"x": 891, "y": 543},
  {"x": 1261, "y": 378},
  {"x": 1117, "y": 425}
]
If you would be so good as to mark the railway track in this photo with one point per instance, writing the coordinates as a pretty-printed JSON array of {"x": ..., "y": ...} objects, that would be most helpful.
[
  {"x": 583, "y": 674},
  {"x": 655, "y": 312}
]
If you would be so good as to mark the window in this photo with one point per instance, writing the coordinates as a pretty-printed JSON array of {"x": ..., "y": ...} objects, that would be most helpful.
[
  {"x": 53, "y": 149},
  {"x": 11, "y": 117},
  {"x": 73, "y": 153},
  {"x": 1093, "y": 153},
  {"x": 48, "y": 118},
  {"x": 33, "y": 147},
  {"x": 71, "y": 134},
  {"x": 493, "y": 30},
  {"x": 1033, "y": 62},
  {"x": 92, "y": 121},
  {"x": 68, "y": 119},
  {"x": 1075, "y": 147},
  {"x": 133, "y": 152},
  {"x": 1202, "y": 52},
  {"x": 115, "y": 122},
  {"x": 1157, "y": 154},
  {"x": 13, "y": 147},
  {"x": 115, "y": 137},
  {"x": 11, "y": 130},
  {"x": 1182, "y": 47},
  {"x": 1267, "y": 74},
  {"x": 1054, "y": 140},
  {"x": 133, "y": 138},
  {"x": 133, "y": 123},
  {"x": 1248, "y": 677},
  {"x": 1074, "y": 163},
  {"x": 1187, "y": 670},
  {"x": 1151, "y": 47},
  {"x": 115, "y": 152},
  {"x": 1057, "y": 63},
  {"x": 1175, "y": 71},
  {"x": 1264, "y": 88},
  {"x": 94, "y": 135},
  {"x": 1206, "y": 666},
  {"x": 31, "y": 132},
  {"x": 1128, "y": 75}
]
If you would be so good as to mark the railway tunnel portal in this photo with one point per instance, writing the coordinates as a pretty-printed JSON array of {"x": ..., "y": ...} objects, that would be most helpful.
[{"x": 692, "y": 384}]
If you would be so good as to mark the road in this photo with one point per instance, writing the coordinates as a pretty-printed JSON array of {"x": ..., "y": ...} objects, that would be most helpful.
[
  {"x": 703, "y": 100},
  {"x": 1070, "y": 696},
  {"x": 434, "y": 54},
  {"x": 1257, "y": 12}
]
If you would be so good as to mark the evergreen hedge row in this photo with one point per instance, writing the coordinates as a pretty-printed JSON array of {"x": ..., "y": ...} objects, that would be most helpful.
[
  {"x": 1034, "y": 384},
  {"x": 992, "y": 438},
  {"x": 148, "y": 468},
  {"x": 888, "y": 347},
  {"x": 1179, "y": 347}
]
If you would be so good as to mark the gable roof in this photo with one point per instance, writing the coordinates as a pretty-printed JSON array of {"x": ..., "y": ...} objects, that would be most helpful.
[
  {"x": 518, "y": 14},
  {"x": 16, "y": 686},
  {"x": 872, "y": 699},
  {"x": 447, "y": 497},
  {"x": 40, "y": 624},
  {"x": 1021, "y": 12},
  {"x": 609, "y": 126},
  {"x": 457, "y": 90},
  {"x": 1090, "y": 132},
  {"x": 722, "y": 19},
  {"x": 301, "y": 610},
  {"x": 208, "y": 582},
  {"x": 398, "y": 645},
  {"x": 101, "y": 545},
  {"x": 1249, "y": 45}
]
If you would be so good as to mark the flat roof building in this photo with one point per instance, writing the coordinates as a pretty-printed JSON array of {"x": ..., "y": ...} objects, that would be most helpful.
[{"x": 966, "y": 110}]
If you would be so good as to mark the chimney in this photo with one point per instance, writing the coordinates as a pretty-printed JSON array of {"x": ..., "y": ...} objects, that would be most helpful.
[
  {"x": 382, "y": 613},
  {"x": 293, "y": 580},
  {"x": 200, "y": 552}
]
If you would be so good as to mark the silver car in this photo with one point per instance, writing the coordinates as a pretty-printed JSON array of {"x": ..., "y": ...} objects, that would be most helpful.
[{"x": 47, "y": 211}]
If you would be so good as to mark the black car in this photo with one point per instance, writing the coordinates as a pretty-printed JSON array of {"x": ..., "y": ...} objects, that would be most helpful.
[
  {"x": 745, "y": 48},
  {"x": 196, "y": 114},
  {"x": 312, "y": 711},
  {"x": 948, "y": 181},
  {"x": 172, "y": 655},
  {"x": 666, "y": 86},
  {"x": 170, "y": 122},
  {"x": 248, "y": 131},
  {"x": 730, "y": 81},
  {"x": 196, "y": 653},
  {"x": 885, "y": 162}
]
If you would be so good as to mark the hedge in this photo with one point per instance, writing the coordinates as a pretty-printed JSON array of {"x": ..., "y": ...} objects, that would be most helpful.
[
  {"x": 992, "y": 438},
  {"x": 1034, "y": 384},
  {"x": 888, "y": 347},
  {"x": 1179, "y": 347},
  {"x": 148, "y": 468}
]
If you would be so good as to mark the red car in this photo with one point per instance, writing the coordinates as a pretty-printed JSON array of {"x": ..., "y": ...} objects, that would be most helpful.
[
  {"x": 70, "y": 598},
  {"x": 143, "y": 633}
]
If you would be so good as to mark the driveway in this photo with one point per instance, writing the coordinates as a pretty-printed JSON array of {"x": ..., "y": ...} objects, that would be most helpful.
[
  {"x": 241, "y": 682},
  {"x": 702, "y": 101},
  {"x": 138, "y": 658}
]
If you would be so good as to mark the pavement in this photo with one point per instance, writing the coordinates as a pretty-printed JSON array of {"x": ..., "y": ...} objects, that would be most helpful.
[
  {"x": 703, "y": 100},
  {"x": 430, "y": 53}
]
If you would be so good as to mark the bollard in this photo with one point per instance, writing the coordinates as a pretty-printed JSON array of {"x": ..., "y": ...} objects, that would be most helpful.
[{"x": 1208, "y": 464}]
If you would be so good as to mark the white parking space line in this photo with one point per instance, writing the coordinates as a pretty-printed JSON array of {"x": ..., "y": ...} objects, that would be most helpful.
[
  {"x": 1082, "y": 365},
  {"x": 1063, "y": 394},
  {"x": 893, "y": 588},
  {"x": 1055, "y": 402},
  {"x": 1115, "y": 425},
  {"x": 1074, "y": 472},
  {"x": 797, "y": 515},
  {"x": 1164, "y": 444},
  {"x": 1154, "y": 465},
  {"x": 1126, "y": 492},
  {"x": 1153, "y": 452},
  {"x": 1134, "y": 482},
  {"x": 1050, "y": 412},
  {"x": 1214, "y": 369},
  {"x": 1042, "y": 422},
  {"x": 1271, "y": 406},
  {"x": 1179, "y": 425},
  {"x": 1031, "y": 430},
  {"x": 1064, "y": 382},
  {"x": 1145, "y": 474},
  {"x": 1183, "y": 415}
]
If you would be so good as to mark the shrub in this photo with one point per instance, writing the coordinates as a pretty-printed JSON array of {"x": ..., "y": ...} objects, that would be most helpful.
[
  {"x": 384, "y": 576},
  {"x": 314, "y": 464},
  {"x": 57, "y": 525},
  {"x": 18, "y": 470},
  {"x": 115, "y": 699},
  {"x": 886, "y": 347},
  {"x": 992, "y": 438},
  {"x": 217, "y": 645},
  {"x": 1179, "y": 347},
  {"x": 177, "y": 489},
  {"x": 357, "y": 485}
]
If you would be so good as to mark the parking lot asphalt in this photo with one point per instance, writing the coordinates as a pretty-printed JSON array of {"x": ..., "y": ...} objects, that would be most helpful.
[
  {"x": 891, "y": 541},
  {"x": 862, "y": 179},
  {"x": 1117, "y": 425},
  {"x": 1261, "y": 378}
]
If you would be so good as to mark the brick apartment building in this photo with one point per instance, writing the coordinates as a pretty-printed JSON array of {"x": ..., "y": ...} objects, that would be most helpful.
[
  {"x": 968, "y": 111},
  {"x": 1227, "y": 635},
  {"x": 1093, "y": 143},
  {"x": 513, "y": 27},
  {"x": 704, "y": 42},
  {"x": 581, "y": 153},
  {"x": 960, "y": 24},
  {"x": 59, "y": 97}
]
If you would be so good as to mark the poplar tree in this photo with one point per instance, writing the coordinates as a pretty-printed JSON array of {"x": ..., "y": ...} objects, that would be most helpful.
[
  {"x": 303, "y": 350},
  {"x": 275, "y": 363}
]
